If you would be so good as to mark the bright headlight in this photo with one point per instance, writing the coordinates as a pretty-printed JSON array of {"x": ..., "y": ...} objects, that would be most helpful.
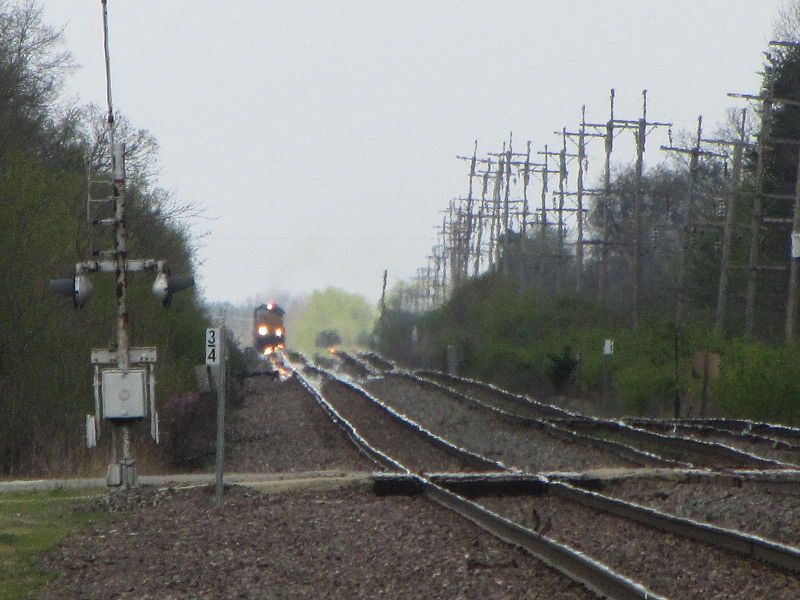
[{"x": 263, "y": 330}]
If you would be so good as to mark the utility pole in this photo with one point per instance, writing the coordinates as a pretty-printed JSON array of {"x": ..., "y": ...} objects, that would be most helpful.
[
  {"x": 641, "y": 136},
  {"x": 580, "y": 193},
  {"x": 792, "y": 300},
  {"x": 579, "y": 198},
  {"x": 127, "y": 469},
  {"x": 755, "y": 222},
  {"x": 766, "y": 140},
  {"x": 464, "y": 267},
  {"x": 482, "y": 211},
  {"x": 562, "y": 156},
  {"x": 730, "y": 219},
  {"x": 606, "y": 131},
  {"x": 641, "y": 128},
  {"x": 689, "y": 221}
]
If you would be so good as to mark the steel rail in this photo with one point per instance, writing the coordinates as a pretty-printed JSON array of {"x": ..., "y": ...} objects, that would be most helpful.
[
  {"x": 641, "y": 457},
  {"x": 571, "y": 563},
  {"x": 769, "y": 430},
  {"x": 582, "y": 423},
  {"x": 422, "y": 431},
  {"x": 575, "y": 565},
  {"x": 374, "y": 454},
  {"x": 548, "y": 409},
  {"x": 750, "y": 546},
  {"x": 671, "y": 428},
  {"x": 357, "y": 363},
  {"x": 743, "y": 543},
  {"x": 378, "y": 360},
  {"x": 683, "y": 445}
]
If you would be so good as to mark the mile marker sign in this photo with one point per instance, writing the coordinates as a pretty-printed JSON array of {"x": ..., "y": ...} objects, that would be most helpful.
[{"x": 212, "y": 346}]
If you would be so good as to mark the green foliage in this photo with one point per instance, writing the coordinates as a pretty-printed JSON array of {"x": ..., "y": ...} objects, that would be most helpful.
[
  {"x": 508, "y": 334},
  {"x": 759, "y": 382},
  {"x": 516, "y": 338},
  {"x": 393, "y": 336},
  {"x": 331, "y": 309},
  {"x": 30, "y": 525}
]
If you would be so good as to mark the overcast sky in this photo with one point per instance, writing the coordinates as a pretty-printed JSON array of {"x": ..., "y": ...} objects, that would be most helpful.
[{"x": 320, "y": 138}]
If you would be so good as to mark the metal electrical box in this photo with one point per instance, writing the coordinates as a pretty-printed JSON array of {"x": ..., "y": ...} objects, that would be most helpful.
[{"x": 124, "y": 394}]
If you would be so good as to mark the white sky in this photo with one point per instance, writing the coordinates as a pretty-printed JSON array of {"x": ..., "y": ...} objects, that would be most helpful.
[{"x": 320, "y": 137}]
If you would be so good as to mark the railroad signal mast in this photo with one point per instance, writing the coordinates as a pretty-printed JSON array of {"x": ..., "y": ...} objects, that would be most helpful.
[{"x": 124, "y": 377}]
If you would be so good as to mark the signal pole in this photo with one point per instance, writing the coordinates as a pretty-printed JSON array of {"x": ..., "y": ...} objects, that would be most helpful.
[
  {"x": 125, "y": 392},
  {"x": 127, "y": 466}
]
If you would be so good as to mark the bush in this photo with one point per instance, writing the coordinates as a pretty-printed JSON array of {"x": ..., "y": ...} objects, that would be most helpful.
[{"x": 758, "y": 382}]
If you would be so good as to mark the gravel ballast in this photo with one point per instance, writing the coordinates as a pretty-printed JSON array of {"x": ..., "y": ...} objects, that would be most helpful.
[
  {"x": 525, "y": 447},
  {"x": 340, "y": 544},
  {"x": 349, "y": 543}
]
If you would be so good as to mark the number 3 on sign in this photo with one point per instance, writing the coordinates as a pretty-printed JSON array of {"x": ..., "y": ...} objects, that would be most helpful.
[{"x": 212, "y": 346}]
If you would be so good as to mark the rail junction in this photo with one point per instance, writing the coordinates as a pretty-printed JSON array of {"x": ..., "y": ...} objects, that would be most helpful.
[{"x": 627, "y": 509}]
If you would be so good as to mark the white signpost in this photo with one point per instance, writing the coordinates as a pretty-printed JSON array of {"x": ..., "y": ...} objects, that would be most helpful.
[
  {"x": 212, "y": 346},
  {"x": 215, "y": 354}
]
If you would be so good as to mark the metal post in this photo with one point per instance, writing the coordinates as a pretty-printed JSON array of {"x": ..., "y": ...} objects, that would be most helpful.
[
  {"x": 579, "y": 241},
  {"x": 602, "y": 289},
  {"x": 755, "y": 222},
  {"x": 127, "y": 466},
  {"x": 220, "y": 455},
  {"x": 688, "y": 225},
  {"x": 727, "y": 237},
  {"x": 791, "y": 304},
  {"x": 641, "y": 134}
]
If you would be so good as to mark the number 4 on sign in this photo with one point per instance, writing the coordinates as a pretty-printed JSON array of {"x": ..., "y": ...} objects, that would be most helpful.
[{"x": 212, "y": 346}]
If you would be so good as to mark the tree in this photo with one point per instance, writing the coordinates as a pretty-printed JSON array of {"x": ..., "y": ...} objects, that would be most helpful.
[
  {"x": 45, "y": 375},
  {"x": 331, "y": 309},
  {"x": 32, "y": 68}
]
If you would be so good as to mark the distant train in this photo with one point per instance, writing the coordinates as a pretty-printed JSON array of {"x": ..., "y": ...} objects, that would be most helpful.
[{"x": 269, "y": 332}]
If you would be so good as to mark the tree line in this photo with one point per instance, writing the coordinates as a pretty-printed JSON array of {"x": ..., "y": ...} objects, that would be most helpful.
[{"x": 47, "y": 147}]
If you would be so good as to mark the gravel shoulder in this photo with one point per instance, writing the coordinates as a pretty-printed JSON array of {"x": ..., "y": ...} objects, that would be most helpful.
[
  {"x": 172, "y": 544},
  {"x": 280, "y": 427}
]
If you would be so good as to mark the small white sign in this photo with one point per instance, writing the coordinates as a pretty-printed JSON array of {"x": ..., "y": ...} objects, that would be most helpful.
[
  {"x": 91, "y": 431},
  {"x": 608, "y": 347},
  {"x": 796, "y": 245},
  {"x": 213, "y": 346}
]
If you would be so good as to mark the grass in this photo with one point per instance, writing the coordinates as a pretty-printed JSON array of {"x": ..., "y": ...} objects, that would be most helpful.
[{"x": 32, "y": 523}]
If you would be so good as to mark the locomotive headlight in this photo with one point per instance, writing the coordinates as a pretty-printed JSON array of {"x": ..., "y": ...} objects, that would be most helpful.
[
  {"x": 279, "y": 332},
  {"x": 263, "y": 330}
]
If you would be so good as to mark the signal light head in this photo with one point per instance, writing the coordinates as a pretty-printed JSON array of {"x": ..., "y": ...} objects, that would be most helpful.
[
  {"x": 166, "y": 285},
  {"x": 79, "y": 287}
]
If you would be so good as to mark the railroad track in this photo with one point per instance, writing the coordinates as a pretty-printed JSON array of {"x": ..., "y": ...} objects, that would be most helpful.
[
  {"x": 590, "y": 573},
  {"x": 765, "y": 441},
  {"x": 681, "y": 450},
  {"x": 521, "y": 507}
]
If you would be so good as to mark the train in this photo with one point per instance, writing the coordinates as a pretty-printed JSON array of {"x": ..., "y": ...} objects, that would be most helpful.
[{"x": 269, "y": 332}]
